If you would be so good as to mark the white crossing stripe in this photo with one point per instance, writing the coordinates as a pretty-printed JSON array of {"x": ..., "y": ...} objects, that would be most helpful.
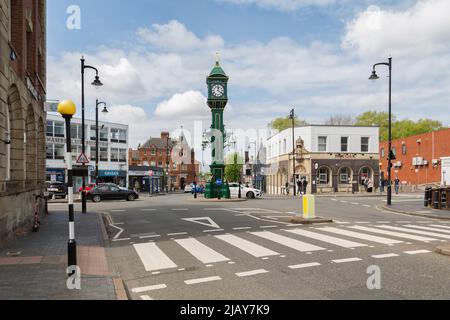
[
  {"x": 383, "y": 256},
  {"x": 394, "y": 234},
  {"x": 426, "y": 233},
  {"x": 341, "y": 222},
  {"x": 288, "y": 242},
  {"x": 148, "y": 209},
  {"x": 329, "y": 239},
  {"x": 427, "y": 228},
  {"x": 153, "y": 257},
  {"x": 305, "y": 265},
  {"x": 439, "y": 226},
  {"x": 149, "y": 288},
  {"x": 200, "y": 251},
  {"x": 363, "y": 236},
  {"x": 176, "y": 234},
  {"x": 346, "y": 260},
  {"x": 251, "y": 273},
  {"x": 242, "y": 228},
  {"x": 145, "y": 298},
  {"x": 203, "y": 280},
  {"x": 247, "y": 246},
  {"x": 417, "y": 252}
]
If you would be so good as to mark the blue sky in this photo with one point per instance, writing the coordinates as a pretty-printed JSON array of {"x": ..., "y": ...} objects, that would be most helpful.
[{"x": 315, "y": 56}]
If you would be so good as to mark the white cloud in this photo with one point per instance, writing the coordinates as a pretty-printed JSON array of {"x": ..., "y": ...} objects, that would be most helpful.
[
  {"x": 282, "y": 5},
  {"x": 421, "y": 30},
  {"x": 190, "y": 104}
]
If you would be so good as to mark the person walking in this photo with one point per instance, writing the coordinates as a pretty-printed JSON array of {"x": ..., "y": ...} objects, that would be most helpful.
[
  {"x": 305, "y": 185},
  {"x": 287, "y": 188},
  {"x": 299, "y": 187},
  {"x": 382, "y": 184},
  {"x": 369, "y": 185},
  {"x": 397, "y": 185}
]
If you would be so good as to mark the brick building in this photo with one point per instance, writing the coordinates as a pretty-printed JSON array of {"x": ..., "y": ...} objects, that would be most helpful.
[
  {"x": 22, "y": 116},
  {"x": 175, "y": 156},
  {"x": 419, "y": 158}
]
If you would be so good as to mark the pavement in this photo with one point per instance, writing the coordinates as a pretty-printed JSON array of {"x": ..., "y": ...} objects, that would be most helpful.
[
  {"x": 418, "y": 209},
  {"x": 33, "y": 266}
]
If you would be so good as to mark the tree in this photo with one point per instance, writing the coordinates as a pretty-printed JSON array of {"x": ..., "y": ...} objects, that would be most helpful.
[
  {"x": 281, "y": 124},
  {"x": 233, "y": 167},
  {"x": 340, "y": 120}
]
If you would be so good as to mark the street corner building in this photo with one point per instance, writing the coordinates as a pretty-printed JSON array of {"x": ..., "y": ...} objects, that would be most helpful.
[
  {"x": 331, "y": 158},
  {"x": 22, "y": 115}
]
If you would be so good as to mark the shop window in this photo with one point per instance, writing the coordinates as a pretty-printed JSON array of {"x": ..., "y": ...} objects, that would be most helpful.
[
  {"x": 324, "y": 176},
  {"x": 345, "y": 175}
]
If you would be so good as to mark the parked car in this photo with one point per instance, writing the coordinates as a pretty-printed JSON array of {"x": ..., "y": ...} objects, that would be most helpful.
[
  {"x": 199, "y": 189},
  {"x": 56, "y": 188},
  {"x": 249, "y": 193},
  {"x": 111, "y": 192},
  {"x": 188, "y": 188},
  {"x": 88, "y": 187}
]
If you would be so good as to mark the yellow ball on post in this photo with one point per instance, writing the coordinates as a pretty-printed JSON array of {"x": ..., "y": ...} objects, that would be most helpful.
[{"x": 67, "y": 108}]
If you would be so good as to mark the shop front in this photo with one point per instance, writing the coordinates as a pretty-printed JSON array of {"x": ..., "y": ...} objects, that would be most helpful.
[
  {"x": 55, "y": 175},
  {"x": 118, "y": 177},
  {"x": 146, "y": 179}
]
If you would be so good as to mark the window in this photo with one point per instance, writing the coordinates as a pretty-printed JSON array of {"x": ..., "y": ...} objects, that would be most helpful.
[
  {"x": 118, "y": 155},
  {"x": 93, "y": 154},
  {"x": 404, "y": 149},
  {"x": 104, "y": 134},
  {"x": 49, "y": 128},
  {"x": 160, "y": 152},
  {"x": 322, "y": 144},
  {"x": 324, "y": 176},
  {"x": 93, "y": 133},
  {"x": 174, "y": 165},
  {"x": 394, "y": 151},
  {"x": 365, "y": 144},
  {"x": 153, "y": 152},
  {"x": 344, "y": 176},
  {"x": 153, "y": 163},
  {"x": 104, "y": 154},
  {"x": 49, "y": 151},
  {"x": 344, "y": 144},
  {"x": 122, "y": 155},
  {"x": 160, "y": 164},
  {"x": 114, "y": 155},
  {"x": 60, "y": 151},
  {"x": 285, "y": 146},
  {"x": 59, "y": 129},
  {"x": 75, "y": 131},
  {"x": 122, "y": 136},
  {"x": 383, "y": 152},
  {"x": 114, "y": 135},
  {"x": 76, "y": 151}
]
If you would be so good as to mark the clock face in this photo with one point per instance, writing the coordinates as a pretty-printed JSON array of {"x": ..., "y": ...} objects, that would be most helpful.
[{"x": 218, "y": 90}]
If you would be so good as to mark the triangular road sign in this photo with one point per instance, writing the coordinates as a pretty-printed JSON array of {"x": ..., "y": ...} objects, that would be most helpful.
[
  {"x": 208, "y": 222},
  {"x": 82, "y": 159}
]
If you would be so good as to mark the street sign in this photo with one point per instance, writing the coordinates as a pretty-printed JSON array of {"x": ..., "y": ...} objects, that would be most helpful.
[
  {"x": 219, "y": 182},
  {"x": 82, "y": 159}
]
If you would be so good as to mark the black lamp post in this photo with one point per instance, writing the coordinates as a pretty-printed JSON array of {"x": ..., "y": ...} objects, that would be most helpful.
[
  {"x": 292, "y": 117},
  {"x": 195, "y": 187},
  {"x": 96, "y": 83},
  {"x": 391, "y": 156},
  {"x": 97, "y": 155}
]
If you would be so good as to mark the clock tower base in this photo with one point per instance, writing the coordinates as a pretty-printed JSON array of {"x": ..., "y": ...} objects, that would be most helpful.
[{"x": 217, "y": 187}]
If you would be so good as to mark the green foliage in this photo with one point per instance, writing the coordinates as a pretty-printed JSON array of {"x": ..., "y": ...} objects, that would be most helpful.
[
  {"x": 233, "y": 167},
  {"x": 285, "y": 123},
  {"x": 400, "y": 129}
]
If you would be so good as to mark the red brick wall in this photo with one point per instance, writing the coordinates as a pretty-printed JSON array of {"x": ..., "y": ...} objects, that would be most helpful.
[{"x": 432, "y": 146}]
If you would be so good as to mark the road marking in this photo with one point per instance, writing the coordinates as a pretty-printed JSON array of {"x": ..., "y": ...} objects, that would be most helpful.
[
  {"x": 145, "y": 298},
  {"x": 355, "y": 203},
  {"x": 215, "y": 230},
  {"x": 209, "y": 265},
  {"x": 183, "y": 209},
  {"x": 247, "y": 246},
  {"x": 148, "y": 209},
  {"x": 383, "y": 222},
  {"x": 118, "y": 210},
  {"x": 427, "y": 228},
  {"x": 151, "y": 236},
  {"x": 346, "y": 260},
  {"x": 267, "y": 227},
  {"x": 203, "y": 253},
  {"x": 362, "y": 222},
  {"x": 367, "y": 206},
  {"x": 424, "y": 221},
  {"x": 344, "y": 201},
  {"x": 288, "y": 242},
  {"x": 334, "y": 200},
  {"x": 328, "y": 239},
  {"x": 417, "y": 252},
  {"x": 118, "y": 228},
  {"x": 305, "y": 265},
  {"x": 403, "y": 221},
  {"x": 341, "y": 222},
  {"x": 242, "y": 228},
  {"x": 123, "y": 239},
  {"x": 231, "y": 262},
  {"x": 293, "y": 213},
  {"x": 265, "y": 258},
  {"x": 251, "y": 273},
  {"x": 362, "y": 236},
  {"x": 425, "y": 233},
  {"x": 394, "y": 234},
  {"x": 182, "y": 269},
  {"x": 176, "y": 234},
  {"x": 439, "y": 226},
  {"x": 156, "y": 273},
  {"x": 153, "y": 257},
  {"x": 202, "y": 280},
  {"x": 149, "y": 288},
  {"x": 384, "y": 256},
  {"x": 209, "y": 222}
]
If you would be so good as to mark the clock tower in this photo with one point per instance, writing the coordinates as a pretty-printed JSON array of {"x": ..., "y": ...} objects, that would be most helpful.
[{"x": 217, "y": 83}]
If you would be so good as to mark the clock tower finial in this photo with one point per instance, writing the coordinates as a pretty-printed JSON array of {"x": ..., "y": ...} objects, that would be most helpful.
[{"x": 217, "y": 58}]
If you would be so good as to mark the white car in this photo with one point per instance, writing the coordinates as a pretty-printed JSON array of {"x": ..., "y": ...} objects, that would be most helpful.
[
  {"x": 249, "y": 193},
  {"x": 188, "y": 188}
]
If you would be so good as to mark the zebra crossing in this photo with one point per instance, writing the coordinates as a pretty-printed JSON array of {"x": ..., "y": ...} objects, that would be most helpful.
[{"x": 298, "y": 242}]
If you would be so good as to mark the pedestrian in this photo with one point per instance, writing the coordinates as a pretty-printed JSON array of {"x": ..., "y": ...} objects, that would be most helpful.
[
  {"x": 369, "y": 185},
  {"x": 299, "y": 187},
  {"x": 382, "y": 184},
  {"x": 305, "y": 185},
  {"x": 364, "y": 182},
  {"x": 287, "y": 188},
  {"x": 397, "y": 185}
]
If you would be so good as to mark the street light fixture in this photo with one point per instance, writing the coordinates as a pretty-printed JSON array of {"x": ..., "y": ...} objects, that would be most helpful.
[
  {"x": 391, "y": 156},
  {"x": 292, "y": 117},
  {"x": 67, "y": 109},
  {"x": 97, "y": 154},
  {"x": 96, "y": 83}
]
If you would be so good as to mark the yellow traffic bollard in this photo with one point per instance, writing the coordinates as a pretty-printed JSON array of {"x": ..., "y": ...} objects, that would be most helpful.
[{"x": 309, "y": 207}]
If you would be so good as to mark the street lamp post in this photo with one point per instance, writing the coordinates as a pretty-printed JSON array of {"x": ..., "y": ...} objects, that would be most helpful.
[
  {"x": 292, "y": 117},
  {"x": 67, "y": 109},
  {"x": 96, "y": 83},
  {"x": 391, "y": 156},
  {"x": 195, "y": 187},
  {"x": 97, "y": 155}
]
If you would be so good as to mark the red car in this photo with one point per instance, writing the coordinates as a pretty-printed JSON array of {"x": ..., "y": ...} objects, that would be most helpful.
[{"x": 88, "y": 187}]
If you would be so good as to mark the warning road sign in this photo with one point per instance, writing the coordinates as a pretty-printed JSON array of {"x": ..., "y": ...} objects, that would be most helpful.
[{"x": 82, "y": 159}]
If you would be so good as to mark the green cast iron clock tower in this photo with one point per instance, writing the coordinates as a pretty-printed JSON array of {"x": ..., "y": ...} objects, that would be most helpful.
[{"x": 217, "y": 83}]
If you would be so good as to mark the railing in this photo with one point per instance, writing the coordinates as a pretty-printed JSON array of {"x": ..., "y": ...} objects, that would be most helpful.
[{"x": 437, "y": 198}]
